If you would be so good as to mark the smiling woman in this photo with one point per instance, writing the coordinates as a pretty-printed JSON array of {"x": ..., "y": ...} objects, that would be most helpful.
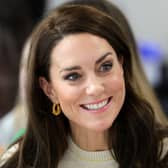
[
  {"x": 84, "y": 110},
  {"x": 92, "y": 79}
]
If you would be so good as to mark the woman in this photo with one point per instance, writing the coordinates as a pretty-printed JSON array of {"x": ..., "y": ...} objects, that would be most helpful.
[{"x": 84, "y": 110}]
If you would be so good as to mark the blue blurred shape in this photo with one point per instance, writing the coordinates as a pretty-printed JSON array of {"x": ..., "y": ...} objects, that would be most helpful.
[{"x": 150, "y": 51}]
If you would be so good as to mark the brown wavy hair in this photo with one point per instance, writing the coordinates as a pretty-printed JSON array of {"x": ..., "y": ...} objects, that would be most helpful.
[{"x": 135, "y": 128}]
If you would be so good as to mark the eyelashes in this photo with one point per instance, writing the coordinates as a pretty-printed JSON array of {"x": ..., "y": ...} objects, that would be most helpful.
[
  {"x": 72, "y": 76},
  {"x": 105, "y": 67},
  {"x": 102, "y": 69}
]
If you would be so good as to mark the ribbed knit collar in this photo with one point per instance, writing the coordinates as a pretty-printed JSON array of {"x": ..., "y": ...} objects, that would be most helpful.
[{"x": 99, "y": 156}]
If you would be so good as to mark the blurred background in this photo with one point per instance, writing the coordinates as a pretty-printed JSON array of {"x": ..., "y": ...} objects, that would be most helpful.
[{"x": 18, "y": 18}]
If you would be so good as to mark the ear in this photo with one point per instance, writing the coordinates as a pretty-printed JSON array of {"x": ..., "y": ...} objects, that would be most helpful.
[{"x": 47, "y": 89}]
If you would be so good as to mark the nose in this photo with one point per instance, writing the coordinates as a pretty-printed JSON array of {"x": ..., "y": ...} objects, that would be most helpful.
[{"x": 95, "y": 87}]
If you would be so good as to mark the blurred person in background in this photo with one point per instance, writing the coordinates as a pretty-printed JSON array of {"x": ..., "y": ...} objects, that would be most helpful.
[
  {"x": 17, "y": 20},
  {"x": 8, "y": 81},
  {"x": 13, "y": 124}
]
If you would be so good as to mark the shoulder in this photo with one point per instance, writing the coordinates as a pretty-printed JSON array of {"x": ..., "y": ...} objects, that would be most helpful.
[{"x": 8, "y": 154}]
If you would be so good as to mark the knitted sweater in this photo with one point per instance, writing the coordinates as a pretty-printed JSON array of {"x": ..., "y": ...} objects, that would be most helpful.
[{"x": 78, "y": 158}]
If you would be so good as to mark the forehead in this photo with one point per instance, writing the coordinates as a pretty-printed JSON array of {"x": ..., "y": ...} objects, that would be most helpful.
[{"x": 79, "y": 47}]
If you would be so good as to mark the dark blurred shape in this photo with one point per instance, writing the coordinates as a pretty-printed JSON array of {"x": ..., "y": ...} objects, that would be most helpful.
[
  {"x": 17, "y": 20},
  {"x": 20, "y": 16},
  {"x": 8, "y": 70},
  {"x": 162, "y": 87}
]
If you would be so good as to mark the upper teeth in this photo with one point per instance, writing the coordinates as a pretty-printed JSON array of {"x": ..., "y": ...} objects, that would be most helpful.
[{"x": 96, "y": 106}]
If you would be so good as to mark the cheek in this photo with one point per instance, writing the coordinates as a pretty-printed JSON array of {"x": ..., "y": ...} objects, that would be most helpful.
[
  {"x": 119, "y": 91},
  {"x": 68, "y": 99},
  {"x": 120, "y": 84},
  {"x": 67, "y": 96},
  {"x": 117, "y": 83}
]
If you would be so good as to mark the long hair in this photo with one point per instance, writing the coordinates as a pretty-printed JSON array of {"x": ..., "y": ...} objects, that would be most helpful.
[
  {"x": 134, "y": 129},
  {"x": 140, "y": 81}
]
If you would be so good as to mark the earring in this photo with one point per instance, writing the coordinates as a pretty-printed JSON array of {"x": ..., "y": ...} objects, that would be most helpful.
[{"x": 56, "y": 110}]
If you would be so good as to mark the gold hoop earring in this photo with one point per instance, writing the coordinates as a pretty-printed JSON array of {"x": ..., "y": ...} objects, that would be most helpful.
[{"x": 56, "y": 110}]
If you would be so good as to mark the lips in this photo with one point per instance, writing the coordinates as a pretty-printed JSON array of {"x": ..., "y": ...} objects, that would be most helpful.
[{"x": 96, "y": 106}]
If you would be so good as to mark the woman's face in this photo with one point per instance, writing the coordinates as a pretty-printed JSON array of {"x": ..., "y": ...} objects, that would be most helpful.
[{"x": 87, "y": 81}]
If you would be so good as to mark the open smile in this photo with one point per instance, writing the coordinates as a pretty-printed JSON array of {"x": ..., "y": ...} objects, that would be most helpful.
[{"x": 96, "y": 106}]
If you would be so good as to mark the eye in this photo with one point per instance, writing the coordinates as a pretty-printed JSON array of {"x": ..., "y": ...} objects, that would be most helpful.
[
  {"x": 72, "y": 76},
  {"x": 106, "y": 66}
]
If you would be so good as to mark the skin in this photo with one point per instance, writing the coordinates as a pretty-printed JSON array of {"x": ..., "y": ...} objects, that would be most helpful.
[{"x": 77, "y": 79}]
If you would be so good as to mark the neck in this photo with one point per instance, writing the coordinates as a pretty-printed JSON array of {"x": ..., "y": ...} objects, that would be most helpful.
[{"x": 89, "y": 140}]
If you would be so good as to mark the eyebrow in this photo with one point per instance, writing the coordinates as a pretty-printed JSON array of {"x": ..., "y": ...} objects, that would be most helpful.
[
  {"x": 71, "y": 68},
  {"x": 103, "y": 57},
  {"x": 78, "y": 67}
]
